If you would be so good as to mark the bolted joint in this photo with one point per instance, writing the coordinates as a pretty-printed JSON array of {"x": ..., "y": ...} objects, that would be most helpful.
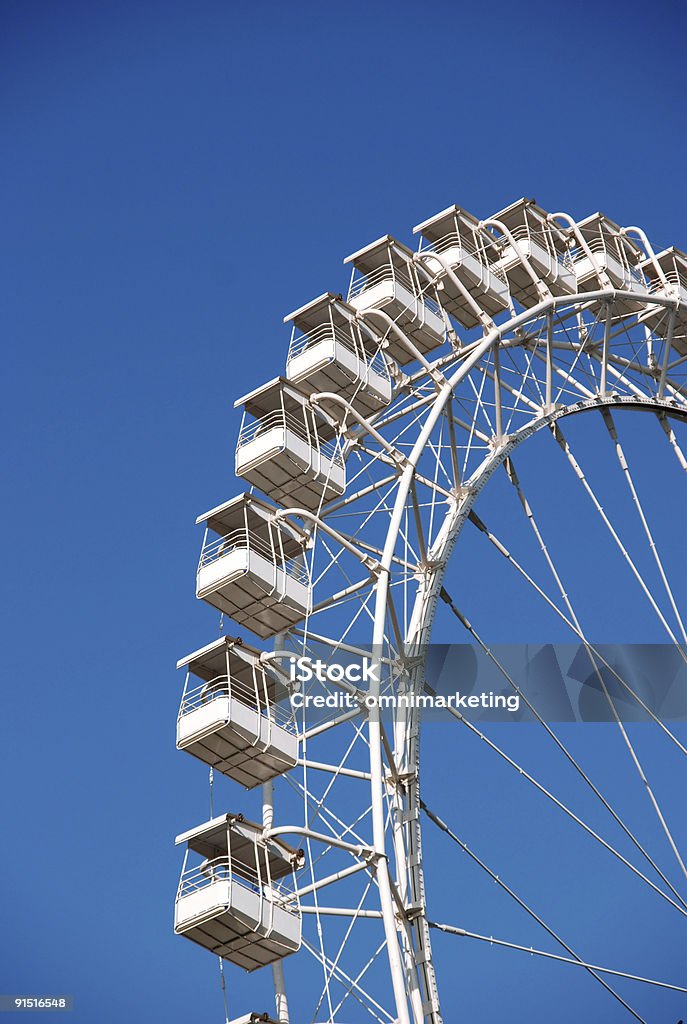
[
  {"x": 413, "y": 911},
  {"x": 497, "y": 443},
  {"x": 372, "y": 565}
]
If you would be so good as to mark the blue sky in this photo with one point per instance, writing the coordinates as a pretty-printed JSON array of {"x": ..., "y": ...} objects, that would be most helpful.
[{"x": 175, "y": 178}]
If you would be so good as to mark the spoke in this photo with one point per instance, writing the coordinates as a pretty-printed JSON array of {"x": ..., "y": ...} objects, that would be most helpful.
[
  {"x": 359, "y": 976},
  {"x": 335, "y": 962},
  {"x": 364, "y": 998},
  {"x": 341, "y": 597},
  {"x": 638, "y": 765},
  {"x": 503, "y": 550},
  {"x": 622, "y": 378},
  {"x": 320, "y": 934},
  {"x": 559, "y": 803},
  {"x": 347, "y": 830},
  {"x": 567, "y": 377},
  {"x": 564, "y": 750},
  {"x": 479, "y": 401},
  {"x": 672, "y": 439},
  {"x": 528, "y": 910},
  {"x": 452, "y": 930},
  {"x": 349, "y": 499},
  {"x": 455, "y": 466},
  {"x": 513, "y": 477},
  {"x": 319, "y": 805},
  {"x": 622, "y": 460},
  {"x": 565, "y": 447},
  {"x": 516, "y": 392}
]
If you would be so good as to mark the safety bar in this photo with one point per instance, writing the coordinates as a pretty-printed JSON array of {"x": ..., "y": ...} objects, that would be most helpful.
[{"x": 244, "y": 539}]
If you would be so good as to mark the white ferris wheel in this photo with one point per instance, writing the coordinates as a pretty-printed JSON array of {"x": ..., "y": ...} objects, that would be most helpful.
[{"x": 484, "y": 439}]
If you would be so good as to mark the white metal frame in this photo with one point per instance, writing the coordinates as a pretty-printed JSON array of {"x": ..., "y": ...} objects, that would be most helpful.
[{"x": 418, "y": 465}]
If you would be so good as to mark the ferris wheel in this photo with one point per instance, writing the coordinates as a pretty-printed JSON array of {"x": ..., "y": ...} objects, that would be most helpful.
[{"x": 428, "y": 468}]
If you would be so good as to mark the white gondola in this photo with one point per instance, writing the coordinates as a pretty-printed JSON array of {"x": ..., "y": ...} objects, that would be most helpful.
[
  {"x": 469, "y": 252},
  {"x": 542, "y": 243},
  {"x": 235, "y": 902},
  {"x": 612, "y": 253},
  {"x": 384, "y": 277},
  {"x": 288, "y": 449},
  {"x": 253, "y": 569},
  {"x": 332, "y": 351},
  {"x": 671, "y": 283},
  {"x": 235, "y": 714}
]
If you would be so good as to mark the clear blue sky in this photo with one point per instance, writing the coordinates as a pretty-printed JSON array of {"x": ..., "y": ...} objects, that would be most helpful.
[{"x": 175, "y": 177}]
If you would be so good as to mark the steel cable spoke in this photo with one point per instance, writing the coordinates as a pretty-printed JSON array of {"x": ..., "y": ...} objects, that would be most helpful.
[
  {"x": 503, "y": 550},
  {"x": 623, "y": 731},
  {"x": 564, "y": 750},
  {"x": 453, "y": 930},
  {"x": 622, "y": 460},
  {"x": 513, "y": 477},
  {"x": 565, "y": 447},
  {"x": 528, "y": 910},
  {"x": 558, "y": 803},
  {"x": 672, "y": 439}
]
